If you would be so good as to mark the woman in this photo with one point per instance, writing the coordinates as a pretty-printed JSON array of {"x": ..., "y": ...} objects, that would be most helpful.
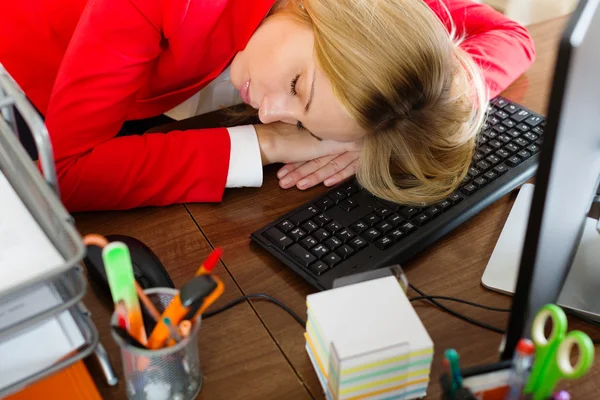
[{"x": 382, "y": 87}]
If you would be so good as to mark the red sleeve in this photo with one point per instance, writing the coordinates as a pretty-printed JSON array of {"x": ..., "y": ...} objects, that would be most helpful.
[
  {"x": 500, "y": 46},
  {"x": 109, "y": 59}
]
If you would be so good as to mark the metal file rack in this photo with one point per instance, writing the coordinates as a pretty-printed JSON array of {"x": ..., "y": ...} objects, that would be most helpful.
[{"x": 67, "y": 282}]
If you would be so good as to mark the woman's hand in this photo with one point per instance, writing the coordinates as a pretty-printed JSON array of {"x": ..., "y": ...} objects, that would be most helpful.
[
  {"x": 330, "y": 170},
  {"x": 285, "y": 143}
]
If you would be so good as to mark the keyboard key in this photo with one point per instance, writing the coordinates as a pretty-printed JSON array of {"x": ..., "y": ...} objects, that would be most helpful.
[
  {"x": 500, "y": 102},
  {"x": 319, "y": 251},
  {"x": 384, "y": 243},
  {"x": 486, "y": 150},
  {"x": 325, "y": 203},
  {"x": 302, "y": 255},
  {"x": 480, "y": 182},
  {"x": 333, "y": 242},
  {"x": 482, "y": 165},
  {"x": 302, "y": 216},
  {"x": 318, "y": 268},
  {"x": 359, "y": 227},
  {"x": 385, "y": 226},
  {"x": 509, "y": 123},
  {"x": 500, "y": 128},
  {"x": 538, "y": 130},
  {"x": 286, "y": 226},
  {"x": 348, "y": 204},
  {"x": 389, "y": 204},
  {"x": 322, "y": 219},
  {"x": 534, "y": 120},
  {"x": 502, "y": 153},
  {"x": 504, "y": 138},
  {"x": 321, "y": 235},
  {"x": 511, "y": 148},
  {"x": 482, "y": 140},
  {"x": 513, "y": 161},
  {"x": 521, "y": 142},
  {"x": 496, "y": 144},
  {"x": 455, "y": 198},
  {"x": 501, "y": 114},
  {"x": 473, "y": 172},
  {"x": 433, "y": 211},
  {"x": 521, "y": 115},
  {"x": 313, "y": 210},
  {"x": 310, "y": 226},
  {"x": 358, "y": 243},
  {"x": 397, "y": 234},
  {"x": 445, "y": 204},
  {"x": 500, "y": 169},
  {"x": 511, "y": 108},
  {"x": 333, "y": 227},
  {"x": 296, "y": 234},
  {"x": 409, "y": 212},
  {"x": 524, "y": 154},
  {"x": 338, "y": 195},
  {"x": 345, "y": 235},
  {"x": 345, "y": 251},
  {"x": 493, "y": 120},
  {"x": 309, "y": 242},
  {"x": 350, "y": 188},
  {"x": 493, "y": 159},
  {"x": 422, "y": 219},
  {"x": 491, "y": 175},
  {"x": 515, "y": 133},
  {"x": 383, "y": 212},
  {"x": 533, "y": 148},
  {"x": 372, "y": 234},
  {"x": 279, "y": 238},
  {"x": 372, "y": 219},
  {"x": 332, "y": 259},
  {"x": 491, "y": 134},
  {"x": 478, "y": 156},
  {"x": 395, "y": 219},
  {"x": 532, "y": 137},
  {"x": 469, "y": 189},
  {"x": 523, "y": 127}
]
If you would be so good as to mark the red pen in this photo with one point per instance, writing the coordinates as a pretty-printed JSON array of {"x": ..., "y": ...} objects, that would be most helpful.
[{"x": 210, "y": 263}]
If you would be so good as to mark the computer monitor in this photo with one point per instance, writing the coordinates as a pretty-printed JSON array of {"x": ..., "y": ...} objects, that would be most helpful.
[{"x": 567, "y": 175}]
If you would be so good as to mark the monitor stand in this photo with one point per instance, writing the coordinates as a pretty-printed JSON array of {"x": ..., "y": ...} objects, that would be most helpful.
[{"x": 581, "y": 289}]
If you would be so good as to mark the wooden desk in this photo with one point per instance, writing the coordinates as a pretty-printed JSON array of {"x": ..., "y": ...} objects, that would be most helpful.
[
  {"x": 256, "y": 351},
  {"x": 452, "y": 267}
]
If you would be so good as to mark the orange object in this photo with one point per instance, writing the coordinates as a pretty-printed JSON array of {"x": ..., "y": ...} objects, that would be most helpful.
[
  {"x": 95, "y": 240},
  {"x": 176, "y": 312},
  {"x": 185, "y": 327},
  {"x": 212, "y": 260},
  {"x": 147, "y": 303},
  {"x": 72, "y": 383}
]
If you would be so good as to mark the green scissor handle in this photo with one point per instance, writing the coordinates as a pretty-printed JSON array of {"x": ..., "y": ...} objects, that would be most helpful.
[{"x": 552, "y": 355}]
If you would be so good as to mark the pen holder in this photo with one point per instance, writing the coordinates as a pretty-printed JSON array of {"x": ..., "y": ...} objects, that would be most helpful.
[{"x": 171, "y": 373}]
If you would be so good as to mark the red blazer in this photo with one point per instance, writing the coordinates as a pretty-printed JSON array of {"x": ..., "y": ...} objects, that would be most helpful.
[{"x": 88, "y": 66}]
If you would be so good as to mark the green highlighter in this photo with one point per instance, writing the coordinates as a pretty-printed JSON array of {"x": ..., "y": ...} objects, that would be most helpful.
[
  {"x": 452, "y": 356},
  {"x": 119, "y": 272}
]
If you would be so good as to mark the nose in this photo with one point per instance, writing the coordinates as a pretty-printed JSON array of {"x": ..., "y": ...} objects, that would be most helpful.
[{"x": 277, "y": 107}]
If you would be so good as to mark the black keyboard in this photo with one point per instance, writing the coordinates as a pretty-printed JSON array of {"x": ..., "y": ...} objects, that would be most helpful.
[{"x": 347, "y": 230}]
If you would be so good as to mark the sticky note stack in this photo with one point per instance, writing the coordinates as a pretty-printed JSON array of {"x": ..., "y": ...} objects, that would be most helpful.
[{"x": 366, "y": 341}]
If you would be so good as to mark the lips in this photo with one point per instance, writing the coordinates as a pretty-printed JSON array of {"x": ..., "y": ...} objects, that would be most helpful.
[{"x": 245, "y": 93}]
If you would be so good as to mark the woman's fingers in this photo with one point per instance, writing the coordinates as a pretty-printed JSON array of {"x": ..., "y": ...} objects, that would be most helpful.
[
  {"x": 286, "y": 169},
  {"x": 303, "y": 170},
  {"x": 333, "y": 171}
]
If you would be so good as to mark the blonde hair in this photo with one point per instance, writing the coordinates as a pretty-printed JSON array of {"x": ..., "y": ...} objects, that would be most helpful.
[{"x": 402, "y": 76}]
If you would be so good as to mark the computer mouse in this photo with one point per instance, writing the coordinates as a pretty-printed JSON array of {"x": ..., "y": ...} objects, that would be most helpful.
[{"x": 147, "y": 268}]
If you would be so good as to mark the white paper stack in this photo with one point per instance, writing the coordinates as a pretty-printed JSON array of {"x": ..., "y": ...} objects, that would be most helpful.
[{"x": 366, "y": 341}]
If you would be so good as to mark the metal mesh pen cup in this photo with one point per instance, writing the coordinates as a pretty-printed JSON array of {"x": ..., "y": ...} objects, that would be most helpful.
[{"x": 171, "y": 373}]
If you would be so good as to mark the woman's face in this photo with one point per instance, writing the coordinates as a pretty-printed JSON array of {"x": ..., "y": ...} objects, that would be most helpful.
[{"x": 277, "y": 74}]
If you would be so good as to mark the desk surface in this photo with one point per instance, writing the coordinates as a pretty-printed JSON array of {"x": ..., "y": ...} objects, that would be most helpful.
[{"x": 256, "y": 350}]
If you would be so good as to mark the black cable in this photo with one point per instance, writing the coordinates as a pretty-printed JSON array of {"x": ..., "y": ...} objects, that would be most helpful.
[
  {"x": 460, "y": 301},
  {"x": 456, "y": 314},
  {"x": 262, "y": 296}
]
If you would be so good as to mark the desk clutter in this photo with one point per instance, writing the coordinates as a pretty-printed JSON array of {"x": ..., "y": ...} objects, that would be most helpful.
[
  {"x": 156, "y": 329},
  {"x": 535, "y": 370},
  {"x": 366, "y": 341}
]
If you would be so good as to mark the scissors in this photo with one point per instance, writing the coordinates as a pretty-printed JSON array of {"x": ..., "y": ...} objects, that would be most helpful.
[{"x": 552, "y": 355}]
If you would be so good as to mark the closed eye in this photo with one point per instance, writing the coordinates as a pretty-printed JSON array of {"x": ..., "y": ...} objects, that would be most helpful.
[{"x": 293, "y": 85}]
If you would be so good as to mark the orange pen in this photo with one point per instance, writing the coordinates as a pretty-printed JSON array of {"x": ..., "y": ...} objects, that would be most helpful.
[{"x": 197, "y": 295}]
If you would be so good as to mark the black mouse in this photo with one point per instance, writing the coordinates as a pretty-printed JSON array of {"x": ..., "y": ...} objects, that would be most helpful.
[{"x": 147, "y": 268}]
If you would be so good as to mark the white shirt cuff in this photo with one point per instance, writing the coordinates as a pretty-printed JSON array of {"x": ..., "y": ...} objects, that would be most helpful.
[{"x": 245, "y": 162}]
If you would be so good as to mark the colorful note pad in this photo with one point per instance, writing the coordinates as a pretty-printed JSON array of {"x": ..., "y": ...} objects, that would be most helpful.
[{"x": 366, "y": 341}]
